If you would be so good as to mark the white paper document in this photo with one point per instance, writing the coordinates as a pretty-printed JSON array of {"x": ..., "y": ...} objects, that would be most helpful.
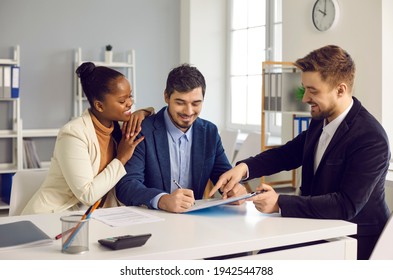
[
  {"x": 123, "y": 216},
  {"x": 206, "y": 203}
]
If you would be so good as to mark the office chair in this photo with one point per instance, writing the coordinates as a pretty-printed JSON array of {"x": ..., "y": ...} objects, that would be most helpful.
[
  {"x": 228, "y": 139},
  {"x": 383, "y": 250},
  {"x": 250, "y": 147},
  {"x": 24, "y": 184}
]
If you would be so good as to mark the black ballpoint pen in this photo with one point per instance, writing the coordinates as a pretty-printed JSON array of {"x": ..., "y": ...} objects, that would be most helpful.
[
  {"x": 177, "y": 184},
  {"x": 180, "y": 187}
]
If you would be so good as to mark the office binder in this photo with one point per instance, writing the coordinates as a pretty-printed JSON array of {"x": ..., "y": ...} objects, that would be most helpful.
[
  {"x": 7, "y": 82},
  {"x": 15, "y": 81},
  {"x": 300, "y": 124},
  {"x": 22, "y": 234},
  {"x": 6, "y": 184}
]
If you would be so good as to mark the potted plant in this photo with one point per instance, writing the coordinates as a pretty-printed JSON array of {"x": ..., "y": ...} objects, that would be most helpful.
[
  {"x": 299, "y": 92},
  {"x": 108, "y": 54}
]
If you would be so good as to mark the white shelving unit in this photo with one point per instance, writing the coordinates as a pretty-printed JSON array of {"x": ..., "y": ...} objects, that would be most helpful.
[
  {"x": 15, "y": 133},
  {"x": 41, "y": 133},
  {"x": 128, "y": 66},
  {"x": 12, "y": 131}
]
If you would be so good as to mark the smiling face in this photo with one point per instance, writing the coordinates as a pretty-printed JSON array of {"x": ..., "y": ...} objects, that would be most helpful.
[
  {"x": 184, "y": 107},
  {"x": 116, "y": 105},
  {"x": 325, "y": 100},
  {"x": 328, "y": 75}
]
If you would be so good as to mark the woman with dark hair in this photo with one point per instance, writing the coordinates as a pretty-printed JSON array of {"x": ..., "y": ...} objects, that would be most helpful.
[{"x": 91, "y": 150}]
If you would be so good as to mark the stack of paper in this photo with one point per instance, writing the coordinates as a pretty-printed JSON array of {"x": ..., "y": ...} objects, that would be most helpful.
[{"x": 30, "y": 155}]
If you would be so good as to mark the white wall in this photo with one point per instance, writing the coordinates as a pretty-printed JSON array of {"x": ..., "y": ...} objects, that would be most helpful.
[{"x": 203, "y": 44}]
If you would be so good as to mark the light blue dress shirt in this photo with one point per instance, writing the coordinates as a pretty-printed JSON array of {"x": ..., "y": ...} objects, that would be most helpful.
[{"x": 180, "y": 156}]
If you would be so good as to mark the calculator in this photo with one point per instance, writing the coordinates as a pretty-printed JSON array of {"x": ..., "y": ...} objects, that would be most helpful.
[{"x": 125, "y": 241}]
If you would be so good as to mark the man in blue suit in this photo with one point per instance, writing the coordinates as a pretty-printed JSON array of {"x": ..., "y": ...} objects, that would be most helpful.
[
  {"x": 344, "y": 155},
  {"x": 180, "y": 152}
]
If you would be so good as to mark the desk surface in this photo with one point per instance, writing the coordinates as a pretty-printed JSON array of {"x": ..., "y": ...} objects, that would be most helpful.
[{"x": 220, "y": 230}]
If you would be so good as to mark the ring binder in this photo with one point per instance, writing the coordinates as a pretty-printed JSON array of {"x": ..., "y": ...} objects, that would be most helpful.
[{"x": 15, "y": 81}]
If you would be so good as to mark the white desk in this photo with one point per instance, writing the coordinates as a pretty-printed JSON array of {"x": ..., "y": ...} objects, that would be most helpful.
[{"x": 221, "y": 230}]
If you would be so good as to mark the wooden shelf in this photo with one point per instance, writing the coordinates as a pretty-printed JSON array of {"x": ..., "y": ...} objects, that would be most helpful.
[{"x": 279, "y": 83}]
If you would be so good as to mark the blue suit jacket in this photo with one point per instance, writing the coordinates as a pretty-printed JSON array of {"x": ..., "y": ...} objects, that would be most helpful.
[
  {"x": 350, "y": 179},
  {"x": 149, "y": 172}
]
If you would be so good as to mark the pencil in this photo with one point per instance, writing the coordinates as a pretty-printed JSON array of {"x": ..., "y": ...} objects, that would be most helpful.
[
  {"x": 93, "y": 208},
  {"x": 88, "y": 211},
  {"x": 79, "y": 225},
  {"x": 60, "y": 235}
]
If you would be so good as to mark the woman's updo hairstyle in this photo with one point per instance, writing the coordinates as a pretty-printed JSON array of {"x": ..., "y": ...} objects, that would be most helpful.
[{"x": 96, "y": 80}]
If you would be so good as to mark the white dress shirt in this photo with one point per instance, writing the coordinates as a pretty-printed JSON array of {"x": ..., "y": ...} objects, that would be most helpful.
[{"x": 327, "y": 135}]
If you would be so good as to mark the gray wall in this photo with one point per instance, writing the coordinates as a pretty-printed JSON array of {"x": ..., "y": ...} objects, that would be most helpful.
[{"x": 49, "y": 32}]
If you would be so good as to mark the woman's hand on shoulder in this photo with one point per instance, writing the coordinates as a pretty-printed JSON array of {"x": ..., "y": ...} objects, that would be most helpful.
[
  {"x": 132, "y": 127},
  {"x": 126, "y": 147}
]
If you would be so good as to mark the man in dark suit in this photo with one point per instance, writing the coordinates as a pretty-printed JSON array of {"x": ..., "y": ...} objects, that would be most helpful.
[
  {"x": 344, "y": 155},
  {"x": 180, "y": 152}
]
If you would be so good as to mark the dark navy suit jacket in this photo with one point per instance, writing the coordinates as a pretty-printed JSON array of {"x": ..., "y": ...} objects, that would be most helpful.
[
  {"x": 349, "y": 183},
  {"x": 149, "y": 171}
]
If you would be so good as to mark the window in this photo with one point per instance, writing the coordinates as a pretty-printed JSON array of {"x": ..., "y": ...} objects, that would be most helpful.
[{"x": 255, "y": 36}]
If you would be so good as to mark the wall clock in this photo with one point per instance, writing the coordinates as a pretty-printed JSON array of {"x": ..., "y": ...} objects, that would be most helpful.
[{"x": 325, "y": 14}]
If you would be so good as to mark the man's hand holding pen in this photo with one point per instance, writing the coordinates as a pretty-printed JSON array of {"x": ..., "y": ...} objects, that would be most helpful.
[
  {"x": 267, "y": 199},
  {"x": 178, "y": 201}
]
